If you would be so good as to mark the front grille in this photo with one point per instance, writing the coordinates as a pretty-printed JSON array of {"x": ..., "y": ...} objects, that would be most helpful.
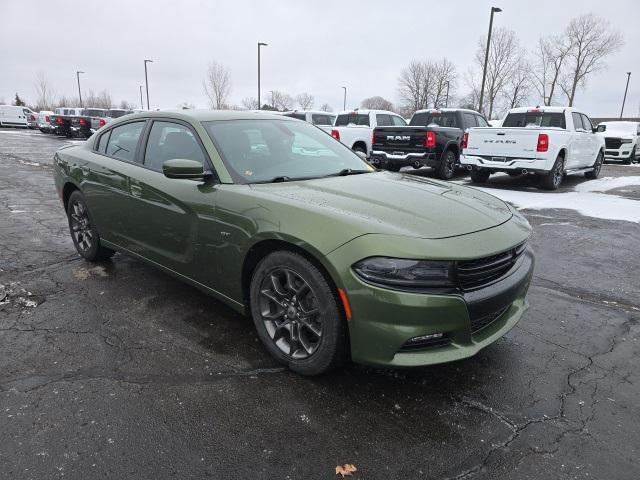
[
  {"x": 612, "y": 153},
  {"x": 611, "y": 142},
  {"x": 478, "y": 273},
  {"x": 479, "y": 323},
  {"x": 414, "y": 345}
]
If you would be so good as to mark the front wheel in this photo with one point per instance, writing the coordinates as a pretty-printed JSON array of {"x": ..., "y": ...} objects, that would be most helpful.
[
  {"x": 597, "y": 166},
  {"x": 297, "y": 314},
  {"x": 552, "y": 179},
  {"x": 83, "y": 232},
  {"x": 447, "y": 166}
]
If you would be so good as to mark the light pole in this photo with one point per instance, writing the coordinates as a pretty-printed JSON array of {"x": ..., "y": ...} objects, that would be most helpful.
[
  {"x": 141, "y": 101},
  {"x": 260, "y": 44},
  {"x": 446, "y": 100},
  {"x": 625, "y": 93},
  {"x": 486, "y": 55},
  {"x": 79, "y": 91},
  {"x": 344, "y": 100},
  {"x": 146, "y": 80}
]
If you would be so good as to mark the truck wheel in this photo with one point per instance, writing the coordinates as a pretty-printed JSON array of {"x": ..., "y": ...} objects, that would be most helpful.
[
  {"x": 596, "y": 167},
  {"x": 447, "y": 166},
  {"x": 630, "y": 160},
  {"x": 359, "y": 148},
  {"x": 552, "y": 179},
  {"x": 479, "y": 175}
]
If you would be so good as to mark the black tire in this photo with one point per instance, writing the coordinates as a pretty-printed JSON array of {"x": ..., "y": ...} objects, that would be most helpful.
[
  {"x": 290, "y": 294},
  {"x": 553, "y": 179},
  {"x": 480, "y": 175},
  {"x": 83, "y": 231},
  {"x": 359, "y": 148},
  {"x": 631, "y": 159},
  {"x": 447, "y": 168},
  {"x": 597, "y": 166}
]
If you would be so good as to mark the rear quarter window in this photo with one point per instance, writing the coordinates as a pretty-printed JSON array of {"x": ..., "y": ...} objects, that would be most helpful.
[
  {"x": 123, "y": 141},
  {"x": 535, "y": 119},
  {"x": 352, "y": 119}
]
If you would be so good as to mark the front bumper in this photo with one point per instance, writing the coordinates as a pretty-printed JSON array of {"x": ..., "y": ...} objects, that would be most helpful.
[
  {"x": 384, "y": 320},
  {"x": 534, "y": 165},
  {"x": 619, "y": 155},
  {"x": 384, "y": 159}
]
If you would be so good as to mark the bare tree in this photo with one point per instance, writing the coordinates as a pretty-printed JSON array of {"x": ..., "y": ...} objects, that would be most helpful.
[
  {"x": 45, "y": 97},
  {"x": 412, "y": 86},
  {"x": 326, "y": 107},
  {"x": 518, "y": 87},
  {"x": 282, "y": 101},
  {"x": 504, "y": 55},
  {"x": 592, "y": 40},
  {"x": 305, "y": 100},
  {"x": 549, "y": 62},
  {"x": 125, "y": 105},
  {"x": 376, "y": 103},
  {"x": 444, "y": 82},
  {"x": 250, "y": 103},
  {"x": 217, "y": 85},
  {"x": 100, "y": 100}
]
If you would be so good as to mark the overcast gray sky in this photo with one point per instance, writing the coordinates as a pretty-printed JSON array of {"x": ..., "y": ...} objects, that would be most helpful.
[{"x": 313, "y": 46}]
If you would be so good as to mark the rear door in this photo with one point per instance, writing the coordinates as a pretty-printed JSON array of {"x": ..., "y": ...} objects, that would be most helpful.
[
  {"x": 578, "y": 145},
  {"x": 172, "y": 220},
  {"x": 592, "y": 144}
]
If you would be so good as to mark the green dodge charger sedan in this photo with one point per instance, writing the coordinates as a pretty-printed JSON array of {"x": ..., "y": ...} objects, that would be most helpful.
[{"x": 270, "y": 215}]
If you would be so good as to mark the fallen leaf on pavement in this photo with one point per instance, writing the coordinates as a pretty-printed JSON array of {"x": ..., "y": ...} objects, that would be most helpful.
[{"x": 345, "y": 470}]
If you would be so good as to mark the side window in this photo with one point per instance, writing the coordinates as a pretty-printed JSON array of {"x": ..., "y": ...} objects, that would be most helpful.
[
  {"x": 169, "y": 140},
  {"x": 481, "y": 121},
  {"x": 320, "y": 119},
  {"x": 124, "y": 140},
  {"x": 469, "y": 120},
  {"x": 577, "y": 121},
  {"x": 383, "y": 120},
  {"x": 398, "y": 121},
  {"x": 102, "y": 142},
  {"x": 587, "y": 123}
]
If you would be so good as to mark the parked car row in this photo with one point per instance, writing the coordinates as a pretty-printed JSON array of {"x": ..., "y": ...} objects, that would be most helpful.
[
  {"x": 78, "y": 122},
  {"x": 17, "y": 116}
]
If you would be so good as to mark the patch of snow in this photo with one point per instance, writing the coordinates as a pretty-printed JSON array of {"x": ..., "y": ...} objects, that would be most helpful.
[{"x": 607, "y": 183}]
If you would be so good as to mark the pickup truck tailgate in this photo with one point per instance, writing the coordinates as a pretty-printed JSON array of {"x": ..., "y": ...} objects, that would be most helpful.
[
  {"x": 399, "y": 140},
  {"x": 502, "y": 142}
]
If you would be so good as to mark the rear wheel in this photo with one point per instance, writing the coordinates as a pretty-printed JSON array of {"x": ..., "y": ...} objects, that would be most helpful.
[
  {"x": 83, "y": 232},
  {"x": 297, "y": 314},
  {"x": 479, "y": 175},
  {"x": 553, "y": 179},
  {"x": 597, "y": 166},
  {"x": 447, "y": 166}
]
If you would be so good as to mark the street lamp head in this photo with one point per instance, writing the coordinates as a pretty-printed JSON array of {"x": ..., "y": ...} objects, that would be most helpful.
[
  {"x": 79, "y": 71},
  {"x": 261, "y": 44},
  {"x": 150, "y": 61},
  {"x": 496, "y": 9},
  {"x": 628, "y": 73}
]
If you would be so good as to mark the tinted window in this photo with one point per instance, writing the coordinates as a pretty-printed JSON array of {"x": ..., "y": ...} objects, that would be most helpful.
[
  {"x": 587, "y": 123},
  {"x": 168, "y": 141},
  {"x": 124, "y": 140},
  {"x": 261, "y": 150},
  {"x": 481, "y": 121},
  {"x": 115, "y": 113},
  {"x": 469, "y": 120},
  {"x": 299, "y": 116},
  {"x": 445, "y": 119},
  {"x": 92, "y": 112},
  {"x": 383, "y": 120},
  {"x": 535, "y": 119},
  {"x": 577, "y": 121},
  {"x": 352, "y": 119},
  {"x": 319, "y": 119},
  {"x": 398, "y": 121}
]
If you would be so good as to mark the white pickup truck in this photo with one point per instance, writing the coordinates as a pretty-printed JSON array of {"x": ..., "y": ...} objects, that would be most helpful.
[
  {"x": 622, "y": 141},
  {"x": 355, "y": 128},
  {"x": 547, "y": 141}
]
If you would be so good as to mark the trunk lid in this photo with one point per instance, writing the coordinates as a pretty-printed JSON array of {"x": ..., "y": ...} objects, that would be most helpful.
[{"x": 503, "y": 142}]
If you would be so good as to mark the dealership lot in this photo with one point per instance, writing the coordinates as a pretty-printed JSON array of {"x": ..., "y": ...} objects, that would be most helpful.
[{"x": 119, "y": 369}]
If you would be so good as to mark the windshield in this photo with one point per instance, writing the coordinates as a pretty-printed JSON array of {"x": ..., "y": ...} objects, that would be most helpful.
[
  {"x": 280, "y": 150},
  {"x": 423, "y": 119},
  {"x": 535, "y": 119}
]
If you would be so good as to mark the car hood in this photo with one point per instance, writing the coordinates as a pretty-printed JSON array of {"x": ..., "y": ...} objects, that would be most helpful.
[{"x": 390, "y": 203}]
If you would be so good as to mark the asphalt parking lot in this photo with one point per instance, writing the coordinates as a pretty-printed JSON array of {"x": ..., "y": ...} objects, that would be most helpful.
[{"x": 118, "y": 371}]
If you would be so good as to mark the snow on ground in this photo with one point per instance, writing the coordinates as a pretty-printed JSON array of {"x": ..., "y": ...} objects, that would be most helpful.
[{"x": 586, "y": 199}]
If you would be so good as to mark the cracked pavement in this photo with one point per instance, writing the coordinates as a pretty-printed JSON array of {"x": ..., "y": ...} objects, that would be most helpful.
[{"x": 118, "y": 371}]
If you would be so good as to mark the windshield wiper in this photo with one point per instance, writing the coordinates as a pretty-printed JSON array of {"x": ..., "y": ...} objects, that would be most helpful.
[
  {"x": 279, "y": 179},
  {"x": 347, "y": 171}
]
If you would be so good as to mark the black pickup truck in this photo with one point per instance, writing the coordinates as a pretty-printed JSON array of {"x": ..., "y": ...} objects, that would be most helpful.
[{"x": 432, "y": 139}]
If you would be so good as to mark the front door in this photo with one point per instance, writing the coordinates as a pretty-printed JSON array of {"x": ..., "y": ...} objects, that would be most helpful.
[{"x": 171, "y": 221}]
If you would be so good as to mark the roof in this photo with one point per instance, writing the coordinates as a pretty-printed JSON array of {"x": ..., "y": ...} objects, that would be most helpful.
[
  {"x": 318, "y": 112},
  {"x": 208, "y": 115},
  {"x": 363, "y": 111},
  {"x": 446, "y": 110},
  {"x": 544, "y": 108}
]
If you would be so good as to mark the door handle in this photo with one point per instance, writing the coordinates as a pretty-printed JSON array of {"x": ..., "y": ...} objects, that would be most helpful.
[
  {"x": 85, "y": 170},
  {"x": 136, "y": 190}
]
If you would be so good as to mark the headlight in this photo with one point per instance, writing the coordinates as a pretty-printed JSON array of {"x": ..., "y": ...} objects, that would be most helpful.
[
  {"x": 625, "y": 140},
  {"x": 400, "y": 272}
]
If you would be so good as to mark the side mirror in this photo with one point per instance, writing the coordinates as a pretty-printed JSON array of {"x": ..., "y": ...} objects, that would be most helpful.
[
  {"x": 594, "y": 129},
  {"x": 183, "y": 168},
  {"x": 362, "y": 155}
]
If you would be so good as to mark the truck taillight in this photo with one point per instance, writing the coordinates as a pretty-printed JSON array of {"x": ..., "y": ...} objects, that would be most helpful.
[
  {"x": 465, "y": 139},
  {"x": 335, "y": 134},
  {"x": 430, "y": 140},
  {"x": 543, "y": 142},
  {"x": 103, "y": 122},
  {"x": 373, "y": 137},
  {"x": 46, "y": 118},
  {"x": 83, "y": 122},
  {"x": 59, "y": 121},
  {"x": 33, "y": 118}
]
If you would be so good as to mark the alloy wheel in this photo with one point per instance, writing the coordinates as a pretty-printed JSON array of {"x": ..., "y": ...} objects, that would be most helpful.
[
  {"x": 558, "y": 174},
  {"x": 290, "y": 312},
  {"x": 81, "y": 227}
]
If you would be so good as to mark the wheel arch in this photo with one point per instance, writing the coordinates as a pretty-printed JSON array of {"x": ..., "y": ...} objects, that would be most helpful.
[
  {"x": 68, "y": 188},
  {"x": 453, "y": 146},
  {"x": 360, "y": 143}
]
